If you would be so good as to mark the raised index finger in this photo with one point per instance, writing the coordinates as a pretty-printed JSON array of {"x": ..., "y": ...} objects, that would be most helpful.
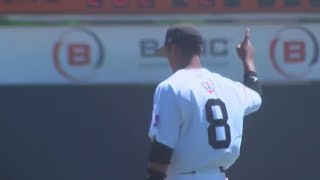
[{"x": 246, "y": 36}]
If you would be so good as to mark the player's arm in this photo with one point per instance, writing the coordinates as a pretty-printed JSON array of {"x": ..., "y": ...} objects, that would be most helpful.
[
  {"x": 164, "y": 132},
  {"x": 159, "y": 159},
  {"x": 252, "y": 89},
  {"x": 250, "y": 78},
  {"x": 245, "y": 51}
]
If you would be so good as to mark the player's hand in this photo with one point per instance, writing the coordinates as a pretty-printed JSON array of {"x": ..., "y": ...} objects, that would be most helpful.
[{"x": 245, "y": 49}]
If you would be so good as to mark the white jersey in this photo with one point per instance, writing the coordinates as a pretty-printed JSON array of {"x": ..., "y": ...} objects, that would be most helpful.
[{"x": 199, "y": 114}]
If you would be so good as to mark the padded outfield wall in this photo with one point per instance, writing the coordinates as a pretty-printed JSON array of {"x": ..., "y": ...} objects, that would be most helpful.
[{"x": 100, "y": 132}]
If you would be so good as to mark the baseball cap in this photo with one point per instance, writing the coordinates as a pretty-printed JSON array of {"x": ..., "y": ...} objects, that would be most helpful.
[{"x": 180, "y": 34}]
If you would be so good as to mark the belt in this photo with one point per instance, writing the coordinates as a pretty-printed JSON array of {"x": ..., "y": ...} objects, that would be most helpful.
[{"x": 194, "y": 172}]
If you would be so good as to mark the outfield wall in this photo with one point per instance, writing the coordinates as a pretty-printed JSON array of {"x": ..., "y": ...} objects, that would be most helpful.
[{"x": 100, "y": 132}]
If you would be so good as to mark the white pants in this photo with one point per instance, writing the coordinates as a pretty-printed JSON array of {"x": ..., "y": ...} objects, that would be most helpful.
[{"x": 199, "y": 175}]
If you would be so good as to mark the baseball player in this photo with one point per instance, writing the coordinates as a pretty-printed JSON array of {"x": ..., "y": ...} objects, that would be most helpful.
[{"x": 197, "y": 120}]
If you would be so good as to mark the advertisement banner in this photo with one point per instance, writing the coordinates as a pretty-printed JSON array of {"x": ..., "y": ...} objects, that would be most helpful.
[
  {"x": 108, "y": 7},
  {"x": 124, "y": 54}
]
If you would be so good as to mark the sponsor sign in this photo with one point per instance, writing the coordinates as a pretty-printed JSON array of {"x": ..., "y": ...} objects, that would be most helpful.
[
  {"x": 78, "y": 54},
  {"x": 294, "y": 52},
  {"x": 124, "y": 54}
]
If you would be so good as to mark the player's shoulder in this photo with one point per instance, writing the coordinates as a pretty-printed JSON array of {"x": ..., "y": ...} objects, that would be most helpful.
[
  {"x": 165, "y": 85},
  {"x": 223, "y": 79},
  {"x": 173, "y": 82},
  {"x": 174, "y": 79}
]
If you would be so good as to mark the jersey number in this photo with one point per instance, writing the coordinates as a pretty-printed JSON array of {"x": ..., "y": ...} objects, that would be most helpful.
[{"x": 213, "y": 105}]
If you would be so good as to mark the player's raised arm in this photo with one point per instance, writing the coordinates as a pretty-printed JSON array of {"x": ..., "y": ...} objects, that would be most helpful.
[{"x": 246, "y": 52}]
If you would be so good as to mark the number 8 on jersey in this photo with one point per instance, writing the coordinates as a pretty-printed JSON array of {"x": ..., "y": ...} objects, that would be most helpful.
[{"x": 217, "y": 116}]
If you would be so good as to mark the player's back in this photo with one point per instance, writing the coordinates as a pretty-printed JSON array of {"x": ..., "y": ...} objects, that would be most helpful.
[{"x": 211, "y": 109}]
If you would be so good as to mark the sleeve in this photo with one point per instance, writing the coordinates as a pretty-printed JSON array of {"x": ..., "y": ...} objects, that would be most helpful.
[
  {"x": 165, "y": 124},
  {"x": 251, "y": 100}
]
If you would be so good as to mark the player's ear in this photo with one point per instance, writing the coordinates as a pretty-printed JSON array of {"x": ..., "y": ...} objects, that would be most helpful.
[
  {"x": 169, "y": 49},
  {"x": 176, "y": 50}
]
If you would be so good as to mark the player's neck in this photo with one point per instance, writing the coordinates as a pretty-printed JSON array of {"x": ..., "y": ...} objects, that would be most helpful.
[{"x": 194, "y": 63}]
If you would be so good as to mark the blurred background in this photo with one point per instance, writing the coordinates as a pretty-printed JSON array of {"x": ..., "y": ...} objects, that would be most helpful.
[{"x": 77, "y": 80}]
